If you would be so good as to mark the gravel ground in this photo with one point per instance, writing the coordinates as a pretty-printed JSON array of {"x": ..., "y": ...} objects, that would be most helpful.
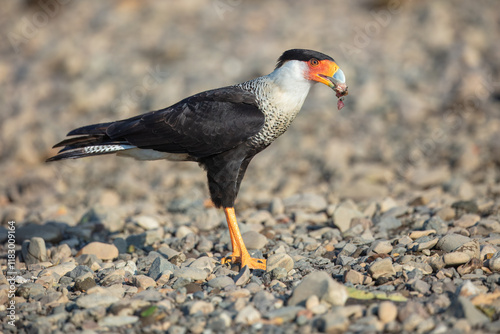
[{"x": 384, "y": 217}]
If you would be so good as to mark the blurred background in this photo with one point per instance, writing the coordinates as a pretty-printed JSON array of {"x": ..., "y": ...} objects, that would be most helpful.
[{"x": 421, "y": 120}]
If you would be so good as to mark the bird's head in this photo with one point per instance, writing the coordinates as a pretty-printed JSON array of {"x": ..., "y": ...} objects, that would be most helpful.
[{"x": 318, "y": 67}]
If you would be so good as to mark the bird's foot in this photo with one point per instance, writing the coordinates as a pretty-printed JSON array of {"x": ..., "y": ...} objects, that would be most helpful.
[{"x": 245, "y": 260}]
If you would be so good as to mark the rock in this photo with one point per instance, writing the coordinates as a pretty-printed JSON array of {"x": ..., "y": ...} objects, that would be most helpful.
[
  {"x": 84, "y": 283},
  {"x": 420, "y": 286},
  {"x": 332, "y": 323},
  {"x": 419, "y": 234},
  {"x": 220, "y": 282},
  {"x": 380, "y": 247},
  {"x": 118, "y": 321},
  {"x": 50, "y": 232},
  {"x": 183, "y": 231},
  {"x": 382, "y": 268},
  {"x": 322, "y": 285},
  {"x": 60, "y": 254},
  {"x": 354, "y": 277},
  {"x": 284, "y": 314},
  {"x": 143, "y": 281},
  {"x": 389, "y": 223},
  {"x": 467, "y": 220},
  {"x": 425, "y": 178},
  {"x": 446, "y": 213},
  {"x": 242, "y": 277},
  {"x": 276, "y": 207},
  {"x": 465, "y": 207},
  {"x": 200, "y": 306},
  {"x": 387, "y": 204},
  {"x": 468, "y": 289},
  {"x": 30, "y": 290},
  {"x": 95, "y": 300},
  {"x": 279, "y": 273},
  {"x": 281, "y": 260},
  {"x": 79, "y": 271},
  {"x": 437, "y": 224},
  {"x": 451, "y": 242},
  {"x": 343, "y": 215},
  {"x": 463, "y": 308},
  {"x": 101, "y": 250},
  {"x": 194, "y": 274},
  {"x": 427, "y": 242},
  {"x": 471, "y": 248},
  {"x": 34, "y": 251},
  {"x": 254, "y": 240},
  {"x": 60, "y": 270},
  {"x": 494, "y": 262},
  {"x": 305, "y": 202},
  {"x": 146, "y": 222},
  {"x": 100, "y": 215},
  {"x": 456, "y": 258},
  {"x": 387, "y": 312},
  {"x": 248, "y": 315},
  {"x": 159, "y": 266}
]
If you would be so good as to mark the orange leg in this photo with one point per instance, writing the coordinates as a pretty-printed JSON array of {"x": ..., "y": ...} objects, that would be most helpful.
[{"x": 240, "y": 252}]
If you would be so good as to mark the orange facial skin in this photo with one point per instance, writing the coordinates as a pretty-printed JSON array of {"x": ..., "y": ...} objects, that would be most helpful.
[{"x": 323, "y": 71}]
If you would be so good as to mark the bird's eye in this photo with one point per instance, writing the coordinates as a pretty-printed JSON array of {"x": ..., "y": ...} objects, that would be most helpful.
[{"x": 314, "y": 62}]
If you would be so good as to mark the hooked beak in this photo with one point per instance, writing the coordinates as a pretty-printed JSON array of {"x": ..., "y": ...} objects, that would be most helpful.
[{"x": 337, "y": 83}]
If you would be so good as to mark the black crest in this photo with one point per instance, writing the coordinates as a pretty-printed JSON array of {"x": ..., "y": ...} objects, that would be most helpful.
[{"x": 302, "y": 55}]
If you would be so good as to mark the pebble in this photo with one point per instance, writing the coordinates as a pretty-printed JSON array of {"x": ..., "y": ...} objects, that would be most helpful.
[
  {"x": 387, "y": 312},
  {"x": 354, "y": 277},
  {"x": 254, "y": 240},
  {"x": 220, "y": 282},
  {"x": 419, "y": 234},
  {"x": 34, "y": 251},
  {"x": 451, "y": 242},
  {"x": 118, "y": 321},
  {"x": 146, "y": 222},
  {"x": 60, "y": 254},
  {"x": 200, "y": 306},
  {"x": 456, "y": 258},
  {"x": 194, "y": 274},
  {"x": 143, "y": 281},
  {"x": 343, "y": 215},
  {"x": 380, "y": 247},
  {"x": 243, "y": 276},
  {"x": 305, "y": 202},
  {"x": 105, "y": 216},
  {"x": 159, "y": 266},
  {"x": 323, "y": 286},
  {"x": 281, "y": 260},
  {"x": 467, "y": 220},
  {"x": 49, "y": 232},
  {"x": 382, "y": 268},
  {"x": 101, "y": 250},
  {"x": 248, "y": 315},
  {"x": 96, "y": 300},
  {"x": 463, "y": 308}
]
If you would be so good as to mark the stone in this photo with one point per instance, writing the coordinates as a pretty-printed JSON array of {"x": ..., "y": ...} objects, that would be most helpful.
[
  {"x": 389, "y": 223},
  {"x": 321, "y": 284},
  {"x": 100, "y": 215},
  {"x": 79, "y": 271},
  {"x": 34, "y": 251},
  {"x": 387, "y": 312},
  {"x": 118, "y": 321},
  {"x": 494, "y": 262},
  {"x": 471, "y": 248},
  {"x": 159, "y": 266},
  {"x": 243, "y": 276},
  {"x": 354, "y": 277},
  {"x": 305, "y": 202},
  {"x": 60, "y": 254},
  {"x": 380, "y": 247},
  {"x": 332, "y": 323},
  {"x": 49, "y": 232},
  {"x": 29, "y": 290},
  {"x": 451, "y": 242},
  {"x": 84, "y": 283},
  {"x": 220, "y": 282},
  {"x": 146, "y": 222},
  {"x": 427, "y": 242},
  {"x": 467, "y": 220},
  {"x": 61, "y": 269},
  {"x": 284, "y": 314},
  {"x": 254, "y": 240},
  {"x": 276, "y": 207},
  {"x": 425, "y": 178},
  {"x": 419, "y": 234},
  {"x": 248, "y": 315},
  {"x": 437, "y": 224},
  {"x": 463, "y": 308},
  {"x": 183, "y": 231},
  {"x": 200, "y": 306},
  {"x": 420, "y": 286},
  {"x": 101, "y": 250},
  {"x": 343, "y": 215},
  {"x": 143, "y": 281},
  {"x": 382, "y": 268},
  {"x": 281, "y": 260},
  {"x": 456, "y": 258},
  {"x": 194, "y": 274},
  {"x": 95, "y": 300},
  {"x": 468, "y": 289}
]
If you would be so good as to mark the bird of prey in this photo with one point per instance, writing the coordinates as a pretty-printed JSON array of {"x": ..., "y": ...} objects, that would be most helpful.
[{"x": 220, "y": 129}]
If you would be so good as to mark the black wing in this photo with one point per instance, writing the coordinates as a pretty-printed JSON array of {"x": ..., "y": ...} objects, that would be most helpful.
[{"x": 201, "y": 125}]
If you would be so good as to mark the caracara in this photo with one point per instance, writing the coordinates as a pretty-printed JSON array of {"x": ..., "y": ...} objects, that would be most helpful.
[{"x": 220, "y": 129}]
